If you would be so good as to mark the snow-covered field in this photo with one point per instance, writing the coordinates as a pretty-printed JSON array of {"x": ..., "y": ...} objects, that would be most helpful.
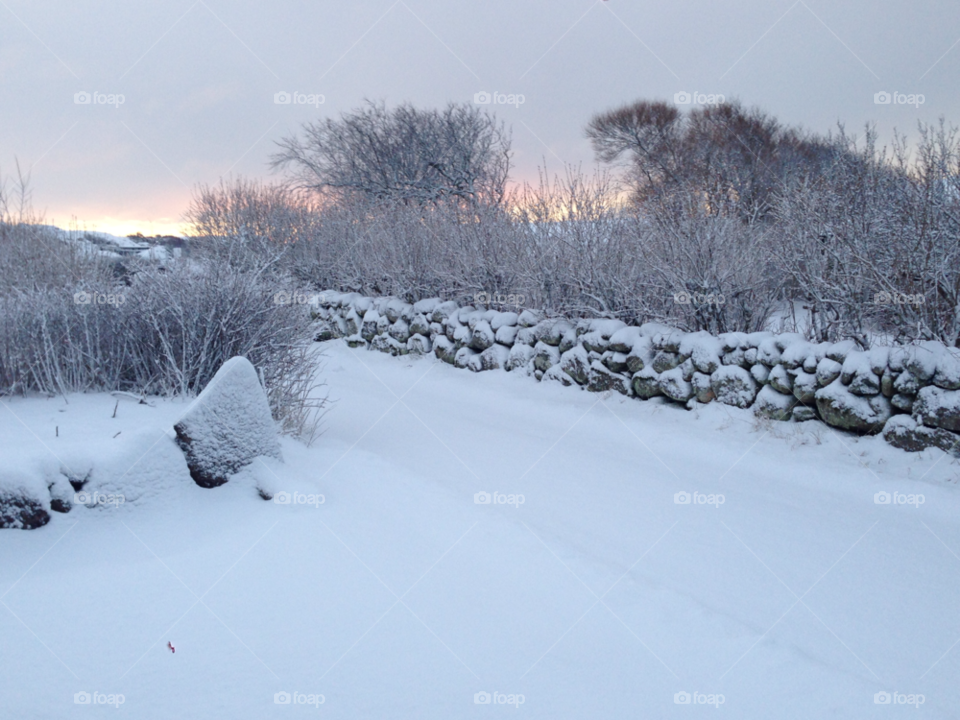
[{"x": 401, "y": 596}]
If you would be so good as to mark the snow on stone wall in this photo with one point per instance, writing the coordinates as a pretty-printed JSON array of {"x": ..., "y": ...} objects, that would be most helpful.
[{"x": 782, "y": 377}]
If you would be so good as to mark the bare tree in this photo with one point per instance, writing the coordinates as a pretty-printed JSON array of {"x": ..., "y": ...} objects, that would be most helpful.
[{"x": 406, "y": 155}]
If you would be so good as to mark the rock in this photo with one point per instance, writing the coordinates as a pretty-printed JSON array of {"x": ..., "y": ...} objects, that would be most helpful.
[
  {"x": 419, "y": 326},
  {"x": 506, "y": 335},
  {"x": 801, "y": 413},
  {"x": 828, "y": 370},
  {"x": 576, "y": 363},
  {"x": 400, "y": 330},
  {"x": 902, "y": 402},
  {"x": 464, "y": 356},
  {"x": 599, "y": 379},
  {"x": 351, "y": 322},
  {"x": 646, "y": 383},
  {"x": 426, "y": 307},
  {"x": 528, "y": 318},
  {"x": 545, "y": 356},
  {"x": 760, "y": 373},
  {"x": 780, "y": 380},
  {"x": 624, "y": 340},
  {"x": 936, "y": 407},
  {"x": 768, "y": 352},
  {"x": 922, "y": 359},
  {"x": 640, "y": 356},
  {"x": 504, "y": 319},
  {"x": 494, "y": 357},
  {"x": 443, "y": 311},
  {"x": 733, "y": 385},
  {"x": 24, "y": 501},
  {"x": 551, "y": 331},
  {"x": 841, "y": 408},
  {"x": 444, "y": 349},
  {"x": 702, "y": 387},
  {"x": 664, "y": 361},
  {"x": 228, "y": 425},
  {"x": 903, "y": 432},
  {"x": 396, "y": 309},
  {"x": 595, "y": 341},
  {"x": 704, "y": 351},
  {"x": 526, "y": 336},
  {"x": 461, "y": 335},
  {"x": 737, "y": 357},
  {"x": 324, "y": 330},
  {"x": 805, "y": 387},
  {"x": 948, "y": 370},
  {"x": 387, "y": 344},
  {"x": 61, "y": 494},
  {"x": 614, "y": 361},
  {"x": 482, "y": 336},
  {"x": 371, "y": 323},
  {"x": 520, "y": 356},
  {"x": 419, "y": 345},
  {"x": 906, "y": 383},
  {"x": 355, "y": 341},
  {"x": 865, "y": 383},
  {"x": 674, "y": 386},
  {"x": 568, "y": 341},
  {"x": 773, "y": 404},
  {"x": 838, "y": 351},
  {"x": 555, "y": 374},
  {"x": 886, "y": 384}
]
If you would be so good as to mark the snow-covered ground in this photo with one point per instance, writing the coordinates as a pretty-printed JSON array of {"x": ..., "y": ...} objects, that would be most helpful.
[{"x": 401, "y": 596}]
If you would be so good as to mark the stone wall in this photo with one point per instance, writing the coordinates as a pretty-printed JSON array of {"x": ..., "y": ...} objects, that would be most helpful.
[{"x": 911, "y": 393}]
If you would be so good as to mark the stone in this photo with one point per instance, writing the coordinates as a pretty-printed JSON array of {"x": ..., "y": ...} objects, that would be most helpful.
[
  {"x": 773, "y": 404},
  {"x": 842, "y": 409},
  {"x": 936, "y": 407},
  {"x": 904, "y": 432},
  {"x": 646, "y": 384},
  {"x": 734, "y": 386}
]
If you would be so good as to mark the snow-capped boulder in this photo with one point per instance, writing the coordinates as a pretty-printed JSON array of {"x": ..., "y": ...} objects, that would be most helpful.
[
  {"x": 228, "y": 425},
  {"x": 841, "y": 408},
  {"x": 780, "y": 380},
  {"x": 545, "y": 356},
  {"x": 936, "y": 407},
  {"x": 529, "y": 318},
  {"x": 444, "y": 349},
  {"x": 702, "y": 387},
  {"x": 419, "y": 325},
  {"x": 600, "y": 379},
  {"x": 482, "y": 336},
  {"x": 400, "y": 330},
  {"x": 704, "y": 350},
  {"x": 665, "y": 360},
  {"x": 624, "y": 340},
  {"x": 520, "y": 355},
  {"x": 417, "y": 344},
  {"x": 922, "y": 359},
  {"x": 464, "y": 356},
  {"x": 426, "y": 306},
  {"x": 576, "y": 363},
  {"x": 734, "y": 386},
  {"x": 904, "y": 432},
  {"x": 675, "y": 386},
  {"x": 760, "y": 373},
  {"x": 442, "y": 311},
  {"x": 24, "y": 500},
  {"x": 555, "y": 374},
  {"x": 371, "y": 325},
  {"x": 828, "y": 370},
  {"x": 805, "y": 387},
  {"x": 387, "y": 344},
  {"x": 771, "y": 403},
  {"x": 551, "y": 331},
  {"x": 494, "y": 357},
  {"x": 506, "y": 334},
  {"x": 948, "y": 370},
  {"x": 504, "y": 319},
  {"x": 615, "y": 361},
  {"x": 646, "y": 383}
]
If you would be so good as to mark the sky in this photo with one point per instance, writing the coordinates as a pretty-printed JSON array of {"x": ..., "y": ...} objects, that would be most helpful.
[{"x": 118, "y": 110}]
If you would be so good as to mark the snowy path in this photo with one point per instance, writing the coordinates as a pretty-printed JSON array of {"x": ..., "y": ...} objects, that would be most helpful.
[{"x": 401, "y": 597}]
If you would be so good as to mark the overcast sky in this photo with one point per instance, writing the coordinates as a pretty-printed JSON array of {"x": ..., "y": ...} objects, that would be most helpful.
[{"x": 199, "y": 79}]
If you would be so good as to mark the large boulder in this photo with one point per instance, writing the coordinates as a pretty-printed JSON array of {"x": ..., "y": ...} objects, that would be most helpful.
[
  {"x": 771, "y": 403},
  {"x": 903, "y": 432},
  {"x": 732, "y": 385},
  {"x": 936, "y": 407},
  {"x": 24, "y": 501},
  {"x": 675, "y": 386},
  {"x": 576, "y": 363},
  {"x": 228, "y": 425},
  {"x": 841, "y": 408}
]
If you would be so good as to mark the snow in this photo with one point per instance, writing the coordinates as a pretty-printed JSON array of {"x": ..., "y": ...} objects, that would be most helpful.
[
  {"x": 228, "y": 425},
  {"x": 396, "y": 593}
]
